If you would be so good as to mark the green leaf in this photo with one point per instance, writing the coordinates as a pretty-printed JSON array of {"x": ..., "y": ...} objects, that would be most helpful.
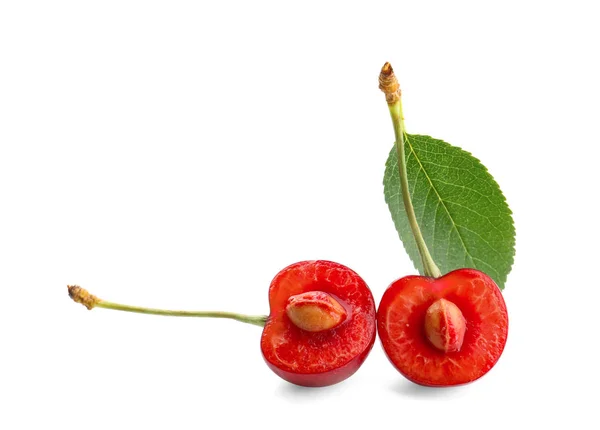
[{"x": 460, "y": 209}]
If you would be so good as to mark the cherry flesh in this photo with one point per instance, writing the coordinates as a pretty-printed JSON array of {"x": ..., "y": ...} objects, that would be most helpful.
[
  {"x": 443, "y": 331},
  {"x": 322, "y": 323}
]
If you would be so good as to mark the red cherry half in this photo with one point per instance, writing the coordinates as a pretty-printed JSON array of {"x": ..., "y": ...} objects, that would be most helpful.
[
  {"x": 337, "y": 312},
  {"x": 445, "y": 331}
]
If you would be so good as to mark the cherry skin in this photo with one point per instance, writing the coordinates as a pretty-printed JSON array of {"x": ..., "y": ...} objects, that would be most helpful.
[
  {"x": 322, "y": 323},
  {"x": 445, "y": 331}
]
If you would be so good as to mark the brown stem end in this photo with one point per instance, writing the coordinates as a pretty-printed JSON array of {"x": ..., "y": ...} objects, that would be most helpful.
[
  {"x": 82, "y": 296},
  {"x": 388, "y": 83}
]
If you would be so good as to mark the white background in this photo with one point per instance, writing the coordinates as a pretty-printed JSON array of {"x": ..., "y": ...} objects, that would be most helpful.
[{"x": 180, "y": 154}]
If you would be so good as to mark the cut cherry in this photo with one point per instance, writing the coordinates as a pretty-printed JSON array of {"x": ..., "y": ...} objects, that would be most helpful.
[
  {"x": 437, "y": 330},
  {"x": 443, "y": 331},
  {"x": 322, "y": 323},
  {"x": 321, "y": 327}
]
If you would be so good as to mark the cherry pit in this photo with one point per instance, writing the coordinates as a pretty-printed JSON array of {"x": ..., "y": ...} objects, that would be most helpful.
[{"x": 437, "y": 329}]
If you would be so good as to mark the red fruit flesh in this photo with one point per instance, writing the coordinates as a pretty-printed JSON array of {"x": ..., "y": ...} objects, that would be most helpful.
[
  {"x": 326, "y": 357},
  {"x": 401, "y": 326}
]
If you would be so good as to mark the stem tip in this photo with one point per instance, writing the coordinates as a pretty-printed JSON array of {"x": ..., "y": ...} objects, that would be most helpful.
[
  {"x": 388, "y": 83},
  {"x": 81, "y": 295},
  {"x": 387, "y": 69}
]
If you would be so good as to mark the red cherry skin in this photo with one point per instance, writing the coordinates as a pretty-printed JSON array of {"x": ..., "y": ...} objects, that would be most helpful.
[
  {"x": 317, "y": 359},
  {"x": 401, "y": 320}
]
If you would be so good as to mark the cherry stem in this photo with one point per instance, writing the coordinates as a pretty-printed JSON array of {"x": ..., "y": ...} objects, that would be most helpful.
[
  {"x": 389, "y": 85},
  {"x": 81, "y": 295}
]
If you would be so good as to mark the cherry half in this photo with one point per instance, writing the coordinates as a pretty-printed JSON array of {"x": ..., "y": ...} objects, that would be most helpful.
[
  {"x": 320, "y": 329},
  {"x": 322, "y": 323},
  {"x": 443, "y": 331}
]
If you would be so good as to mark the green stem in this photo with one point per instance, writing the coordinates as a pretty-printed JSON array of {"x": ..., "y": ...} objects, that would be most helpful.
[
  {"x": 258, "y": 320},
  {"x": 81, "y": 295},
  {"x": 395, "y": 107}
]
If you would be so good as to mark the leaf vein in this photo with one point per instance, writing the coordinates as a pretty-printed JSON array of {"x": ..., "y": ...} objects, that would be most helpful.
[{"x": 412, "y": 150}]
